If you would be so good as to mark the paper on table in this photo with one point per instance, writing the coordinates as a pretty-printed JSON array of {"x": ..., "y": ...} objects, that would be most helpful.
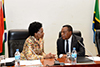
[
  {"x": 22, "y": 62},
  {"x": 67, "y": 63},
  {"x": 7, "y": 60},
  {"x": 94, "y": 58},
  {"x": 30, "y": 62}
]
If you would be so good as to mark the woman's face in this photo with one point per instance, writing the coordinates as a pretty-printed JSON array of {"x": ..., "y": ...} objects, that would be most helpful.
[{"x": 40, "y": 33}]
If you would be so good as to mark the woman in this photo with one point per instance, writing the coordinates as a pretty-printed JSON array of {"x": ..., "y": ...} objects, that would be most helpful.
[{"x": 33, "y": 47}]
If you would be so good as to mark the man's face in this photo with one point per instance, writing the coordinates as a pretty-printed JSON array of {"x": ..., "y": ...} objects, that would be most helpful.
[{"x": 65, "y": 33}]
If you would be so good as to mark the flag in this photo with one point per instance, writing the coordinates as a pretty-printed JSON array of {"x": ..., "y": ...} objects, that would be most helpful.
[
  {"x": 3, "y": 34},
  {"x": 96, "y": 19}
]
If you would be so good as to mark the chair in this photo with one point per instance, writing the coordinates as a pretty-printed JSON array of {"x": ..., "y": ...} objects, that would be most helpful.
[
  {"x": 16, "y": 39},
  {"x": 78, "y": 33},
  {"x": 97, "y": 40}
]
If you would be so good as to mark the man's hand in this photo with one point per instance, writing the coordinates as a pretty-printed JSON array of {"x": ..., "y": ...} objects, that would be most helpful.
[{"x": 64, "y": 56}]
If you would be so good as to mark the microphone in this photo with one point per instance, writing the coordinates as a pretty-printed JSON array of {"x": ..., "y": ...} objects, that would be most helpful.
[
  {"x": 8, "y": 64},
  {"x": 86, "y": 49},
  {"x": 58, "y": 63}
]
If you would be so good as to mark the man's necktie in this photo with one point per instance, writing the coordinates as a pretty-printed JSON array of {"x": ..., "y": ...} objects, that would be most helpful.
[{"x": 67, "y": 47}]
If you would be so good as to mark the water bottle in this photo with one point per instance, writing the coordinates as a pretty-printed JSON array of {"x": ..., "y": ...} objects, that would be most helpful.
[
  {"x": 74, "y": 56},
  {"x": 17, "y": 58}
]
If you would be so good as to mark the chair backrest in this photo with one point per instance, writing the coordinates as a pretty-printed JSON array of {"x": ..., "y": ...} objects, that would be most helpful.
[
  {"x": 78, "y": 33},
  {"x": 16, "y": 39},
  {"x": 97, "y": 40}
]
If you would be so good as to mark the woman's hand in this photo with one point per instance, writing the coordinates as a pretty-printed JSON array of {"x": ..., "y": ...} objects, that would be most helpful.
[{"x": 48, "y": 56}]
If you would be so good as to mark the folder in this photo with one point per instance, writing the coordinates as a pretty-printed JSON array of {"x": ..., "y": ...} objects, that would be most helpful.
[{"x": 83, "y": 60}]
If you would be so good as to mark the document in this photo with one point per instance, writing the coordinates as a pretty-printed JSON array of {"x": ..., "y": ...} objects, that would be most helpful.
[
  {"x": 7, "y": 60},
  {"x": 22, "y": 62},
  {"x": 94, "y": 58},
  {"x": 30, "y": 62}
]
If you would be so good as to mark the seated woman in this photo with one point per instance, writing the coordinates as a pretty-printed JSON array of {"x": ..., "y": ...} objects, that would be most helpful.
[{"x": 34, "y": 45}]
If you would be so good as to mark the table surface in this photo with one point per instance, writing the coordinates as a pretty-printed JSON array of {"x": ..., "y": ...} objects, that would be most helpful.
[{"x": 50, "y": 62}]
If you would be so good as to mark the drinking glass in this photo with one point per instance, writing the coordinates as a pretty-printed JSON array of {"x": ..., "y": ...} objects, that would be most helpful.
[
  {"x": 68, "y": 57},
  {"x": 2, "y": 59}
]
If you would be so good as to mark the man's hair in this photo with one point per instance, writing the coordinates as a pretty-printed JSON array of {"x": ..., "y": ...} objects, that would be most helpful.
[
  {"x": 69, "y": 27},
  {"x": 34, "y": 28}
]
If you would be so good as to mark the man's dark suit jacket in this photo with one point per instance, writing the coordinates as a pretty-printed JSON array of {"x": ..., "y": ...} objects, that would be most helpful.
[{"x": 80, "y": 50}]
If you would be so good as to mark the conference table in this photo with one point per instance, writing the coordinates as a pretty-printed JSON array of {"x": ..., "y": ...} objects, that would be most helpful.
[{"x": 50, "y": 62}]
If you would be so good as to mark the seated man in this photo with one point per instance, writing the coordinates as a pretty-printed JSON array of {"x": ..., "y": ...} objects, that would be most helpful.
[{"x": 67, "y": 41}]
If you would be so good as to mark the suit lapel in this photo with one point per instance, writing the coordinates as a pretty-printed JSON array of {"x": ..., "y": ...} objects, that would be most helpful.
[
  {"x": 61, "y": 47},
  {"x": 64, "y": 46},
  {"x": 73, "y": 43}
]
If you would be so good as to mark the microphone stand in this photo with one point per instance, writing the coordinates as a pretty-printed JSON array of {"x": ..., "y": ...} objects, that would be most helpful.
[{"x": 86, "y": 49}]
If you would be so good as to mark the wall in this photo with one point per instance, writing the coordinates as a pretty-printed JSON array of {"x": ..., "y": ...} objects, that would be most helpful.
[{"x": 53, "y": 14}]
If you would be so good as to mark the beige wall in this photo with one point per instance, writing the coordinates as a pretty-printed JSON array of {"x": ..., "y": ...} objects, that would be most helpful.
[{"x": 53, "y": 14}]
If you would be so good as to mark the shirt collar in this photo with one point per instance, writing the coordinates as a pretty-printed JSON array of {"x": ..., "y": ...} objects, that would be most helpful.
[
  {"x": 40, "y": 41},
  {"x": 69, "y": 40},
  {"x": 35, "y": 39}
]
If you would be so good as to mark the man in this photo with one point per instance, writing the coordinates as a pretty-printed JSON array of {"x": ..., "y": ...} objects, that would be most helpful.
[{"x": 67, "y": 41}]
